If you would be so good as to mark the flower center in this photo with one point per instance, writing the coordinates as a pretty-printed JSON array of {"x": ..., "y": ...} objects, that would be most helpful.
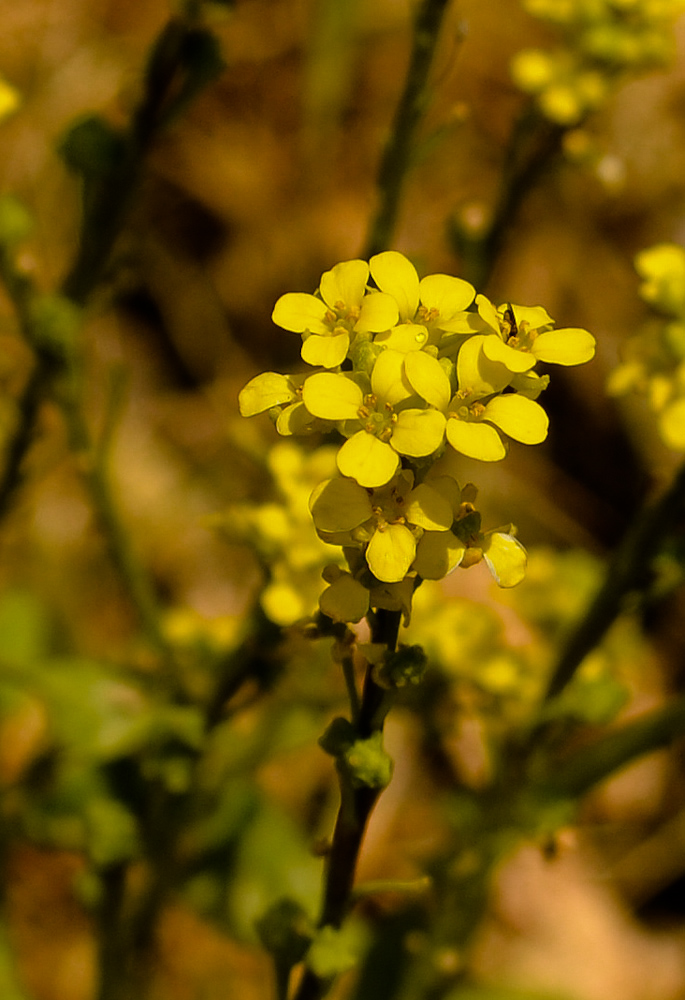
[{"x": 378, "y": 417}]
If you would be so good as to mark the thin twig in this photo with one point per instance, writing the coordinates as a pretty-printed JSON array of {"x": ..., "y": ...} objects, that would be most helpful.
[
  {"x": 397, "y": 155},
  {"x": 629, "y": 570}
]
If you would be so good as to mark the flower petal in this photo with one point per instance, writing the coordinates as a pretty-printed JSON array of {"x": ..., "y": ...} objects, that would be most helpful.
[
  {"x": 437, "y": 554},
  {"x": 428, "y": 509},
  {"x": 298, "y": 311},
  {"x": 394, "y": 274},
  {"x": 346, "y": 600},
  {"x": 446, "y": 294},
  {"x": 428, "y": 378},
  {"x": 672, "y": 424},
  {"x": 477, "y": 440},
  {"x": 488, "y": 313},
  {"x": 564, "y": 347},
  {"x": 339, "y": 505},
  {"x": 515, "y": 361},
  {"x": 388, "y": 380},
  {"x": 328, "y": 352},
  {"x": 404, "y": 338},
  {"x": 379, "y": 312},
  {"x": 418, "y": 432},
  {"x": 506, "y": 558},
  {"x": 264, "y": 391},
  {"x": 344, "y": 285},
  {"x": 391, "y": 552},
  {"x": 332, "y": 396},
  {"x": 520, "y": 418},
  {"x": 535, "y": 316},
  {"x": 371, "y": 462},
  {"x": 476, "y": 373}
]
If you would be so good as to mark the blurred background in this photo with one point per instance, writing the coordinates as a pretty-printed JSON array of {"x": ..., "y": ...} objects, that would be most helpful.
[{"x": 266, "y": 181}]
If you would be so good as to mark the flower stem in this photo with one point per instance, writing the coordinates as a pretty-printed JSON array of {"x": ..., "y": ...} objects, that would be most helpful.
[
  {"x": 356, "y": 805},
  {"x": 628, "y": 571},
  {"x": 396, "y": 158}
]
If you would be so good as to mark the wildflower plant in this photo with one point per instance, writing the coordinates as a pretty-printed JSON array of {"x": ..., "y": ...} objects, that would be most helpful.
[{"x": 405, "y": 370}]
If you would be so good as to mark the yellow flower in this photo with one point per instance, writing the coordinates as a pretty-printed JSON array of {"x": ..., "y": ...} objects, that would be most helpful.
[
  {"x": 426, "y": 308},
  {"x": 524, "y": 335},
  {"x": 331, "y": 320},
  {"x": 387, "y": 425},
  {"x": 472, "y": 426},
  {"x": 384, "y": 522}
]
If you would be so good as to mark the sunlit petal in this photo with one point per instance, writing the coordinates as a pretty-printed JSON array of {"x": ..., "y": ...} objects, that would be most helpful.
[
  {"x": 446, "y": 294},
  {"x": 394, "y": 274},
  {"x": 388, "y": 380},
  {"x": 344, "y": 284},
  {"x": 264, "y": 391},
  {"x": 327, "y": 352},
  {"x": 332, "y": 396},
  {"x": 476, "y": 373},
  {"x": 391, "y": 552},
  {"x": 371, "y": 462},
  {"x": 476, "y": 440},
  {"x": 298, "y": 311},
  {"x": 404, "y": 338},
  {"x": 506, "y": 558},
  {"x": 418, "y": 432},
  {"x": 516, "y": 361},
  {"x": 428, "y": 379},
  {"x": 565, "y": 347},
  {"x": 378, "y": 312},
  {"x": 520, "y": 418}
]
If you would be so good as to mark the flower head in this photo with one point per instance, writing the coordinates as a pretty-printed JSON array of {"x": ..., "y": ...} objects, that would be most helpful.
[{"x": 330, "y": 320}]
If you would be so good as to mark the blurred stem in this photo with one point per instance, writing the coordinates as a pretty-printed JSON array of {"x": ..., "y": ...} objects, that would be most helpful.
[
  {"x": 397, "y": 155},
  {"x": 356, "y": 805},
  {"x": 628, "y": 571},
  {"x": 606, "y": 756},
  {"x": 533, "y": 144},
  {"x": 105, "y": 210}
]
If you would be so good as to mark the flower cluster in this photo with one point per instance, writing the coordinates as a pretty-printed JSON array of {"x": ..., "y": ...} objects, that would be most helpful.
[
  {"x": 405, "y": 370},
  {"x": 602, "y": 41},
  {"x": 654, "y": 359}
]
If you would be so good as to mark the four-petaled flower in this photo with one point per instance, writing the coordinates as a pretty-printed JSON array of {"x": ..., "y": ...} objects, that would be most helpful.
[{"x": 331, "y": 320}]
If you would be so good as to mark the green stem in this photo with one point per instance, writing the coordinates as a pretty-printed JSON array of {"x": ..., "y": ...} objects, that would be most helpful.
[
  {"x": 629, "y": 570},
  {"x": 356, "y": 805},
  {"x": 396, "y": 158}
]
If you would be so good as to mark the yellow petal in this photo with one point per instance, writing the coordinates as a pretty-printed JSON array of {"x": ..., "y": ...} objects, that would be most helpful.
[
  {"x": 344, "y": 284},
  {"x": 264, "y": 391},
  {"x": 327, "y": 352},
  {"x": 339, "y": 505},
  {"x": 506, "y": 558},
  {"x": 515, "y": 361},
  {"x": 476, "y": 440},
  {"x": 370, "y": 461},
  {"x": 346, "y": 600},
  {"x": 295, "y": 419},
  {"x": 391, "y": 552},
  {"x": 488, "y": 313},
  {"x": 519, "y": 417},
  {"x": 298, "y": 311},
  {"x": 388, "y": 380},
  {"x": 535, "y": 316},
  {"x": 446, "y": 294},
  {"x": 427, "y": 508},
  {"x": 418, "y": 432},
  {"x": 565, "y": 347},
  {"x": 476, "y": 373},
  {"x": 378, "y": 313},
  {"x": 332, "y": 396},
  {"x": 394, "y": 274},
  {"x": 404, "y": 338},
  {"x": 428, "y": 379},
  {"x": 437, "y": 554}
]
